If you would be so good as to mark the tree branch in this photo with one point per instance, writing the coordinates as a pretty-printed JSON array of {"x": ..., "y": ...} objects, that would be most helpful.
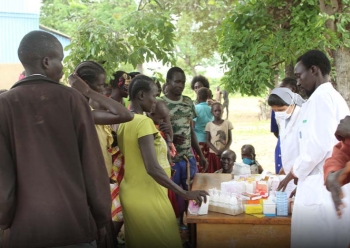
[
  {"x": 276, "y": 64},
  {"x": 329, "y": 9},
  {"x": 335, "y": 5}
]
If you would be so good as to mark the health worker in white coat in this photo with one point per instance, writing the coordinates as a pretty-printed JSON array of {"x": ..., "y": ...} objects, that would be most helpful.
[
  {"x": 286, "y": 105},
  {"x": 314, "y": 220}
]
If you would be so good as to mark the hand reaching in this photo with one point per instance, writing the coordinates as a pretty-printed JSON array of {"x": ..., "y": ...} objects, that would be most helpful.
[
  {"x": 283, "y": 184},
  {"x": 179, "y": 139},
  {"x": 77, "y": 83},
  {"x": 196, "y": 195},
  {"x": 203, "y": 163},
  {"x": 343, "y": 129},
  {"x": 293, "y": 193},
  {"x": 334, "y": 182}
]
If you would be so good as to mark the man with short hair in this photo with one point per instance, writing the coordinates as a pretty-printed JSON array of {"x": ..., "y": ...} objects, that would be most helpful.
[
  {"x": 54, "y": 188},
  {"x": 182, "y": 112},
  {"x": 314, "y": 220}
]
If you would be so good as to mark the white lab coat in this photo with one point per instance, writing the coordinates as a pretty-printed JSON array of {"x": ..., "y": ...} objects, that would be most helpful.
[
  {"x": 314, "y": 219},
  {"x": 288, "y": 132},
  {"x": 289, "y": 140}
]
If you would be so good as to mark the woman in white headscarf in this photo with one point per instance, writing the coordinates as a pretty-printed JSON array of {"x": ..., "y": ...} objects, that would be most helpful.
[{"x": 286, "y": 105}]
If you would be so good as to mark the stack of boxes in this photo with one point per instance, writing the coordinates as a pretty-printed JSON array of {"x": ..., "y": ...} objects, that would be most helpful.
[{"x": 282, "y": 203}]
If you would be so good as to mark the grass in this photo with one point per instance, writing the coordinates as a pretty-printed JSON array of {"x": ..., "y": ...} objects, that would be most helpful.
[{"x": 248, "y": 129}]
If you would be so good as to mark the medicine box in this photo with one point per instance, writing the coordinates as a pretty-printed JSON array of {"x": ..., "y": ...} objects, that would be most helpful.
[
  {"x": 253, "y": 208},
  {"x": 198, "y": 210},
  {"x": 269, "y": 208},
  {"x": 236, "y": 210}
]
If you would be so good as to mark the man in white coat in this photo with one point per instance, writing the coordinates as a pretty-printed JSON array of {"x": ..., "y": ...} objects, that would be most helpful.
[{"x": 314, "y": 219}]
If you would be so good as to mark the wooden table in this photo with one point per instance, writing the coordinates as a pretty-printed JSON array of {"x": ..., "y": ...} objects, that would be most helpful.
[{"x": 220, "y": 230}]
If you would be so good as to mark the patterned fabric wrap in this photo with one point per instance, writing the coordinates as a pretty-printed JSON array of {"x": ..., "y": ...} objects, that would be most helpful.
[
  {"x": 205, "y": 151},
  {"x": 117, "y": 175}
]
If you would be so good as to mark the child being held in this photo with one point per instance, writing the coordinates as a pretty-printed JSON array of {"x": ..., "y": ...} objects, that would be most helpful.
[
  {"x": 158, "y": 115},
  {"x": 248, "y": 157},
  {"x": 219, "y": 137}
]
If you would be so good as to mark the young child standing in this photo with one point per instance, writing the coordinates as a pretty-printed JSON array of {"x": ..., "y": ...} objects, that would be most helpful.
[
  {"x": 219, "y": 137},
  {"x": 204, "y": 116}
]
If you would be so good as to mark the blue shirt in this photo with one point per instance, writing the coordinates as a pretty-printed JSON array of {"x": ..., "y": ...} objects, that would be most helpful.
[
  {"x": 278, "y": 158},
  {"x": 274, "y": 126},
  {"x": 204, "y": 116}
]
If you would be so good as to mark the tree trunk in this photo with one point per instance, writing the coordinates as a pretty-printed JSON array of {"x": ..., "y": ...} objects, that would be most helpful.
[
  {"x": 140, "y": 68},
  {"x": 342, "y": 65},
  {"x": 276, "y": 79},
  {"x": 194, "y": 71},
  {"x": 289, "y": 70}
]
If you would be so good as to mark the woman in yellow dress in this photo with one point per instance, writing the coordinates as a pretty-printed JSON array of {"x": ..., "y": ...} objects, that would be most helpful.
[{"x": 149, "y": 219}]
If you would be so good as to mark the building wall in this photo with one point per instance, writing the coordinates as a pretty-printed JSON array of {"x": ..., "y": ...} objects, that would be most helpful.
[
  {"x": 20, "y": 6},
  {"x": 17, "y": 18},
  {"x": 9, "y": 74},
  {"x": 14, "y": 26}
]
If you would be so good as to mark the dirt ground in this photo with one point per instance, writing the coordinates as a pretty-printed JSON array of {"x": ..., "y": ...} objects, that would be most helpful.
[{"x": 248, "y": 129}]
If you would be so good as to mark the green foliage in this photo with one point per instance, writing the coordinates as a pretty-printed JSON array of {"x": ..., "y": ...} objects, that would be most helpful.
[
  {"x": 343, "y": 26},
  {"x": 260, "y": 37},
  {"x": 112, "y": 32},
  {"x": 196, "y": 40},
  {"x": 98, "y": 42}
]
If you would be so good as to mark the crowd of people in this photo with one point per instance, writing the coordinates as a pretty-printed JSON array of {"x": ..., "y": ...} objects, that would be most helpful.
[{"x": 80, "y": 162}]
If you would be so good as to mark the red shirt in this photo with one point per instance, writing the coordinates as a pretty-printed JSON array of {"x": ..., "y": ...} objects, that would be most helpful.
[{"x": 338, "y": 160}]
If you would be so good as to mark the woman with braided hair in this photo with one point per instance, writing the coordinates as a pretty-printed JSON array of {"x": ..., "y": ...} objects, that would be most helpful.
[
  {"x": 148, "y": 215},
  {"x": 89, "y": 78}
]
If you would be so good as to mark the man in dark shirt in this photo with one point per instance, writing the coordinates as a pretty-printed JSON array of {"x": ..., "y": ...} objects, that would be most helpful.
[{"x": 54, "y": 188}]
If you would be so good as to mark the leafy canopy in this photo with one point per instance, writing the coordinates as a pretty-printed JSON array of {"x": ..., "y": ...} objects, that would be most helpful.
[{"x": 259, "y": 37}]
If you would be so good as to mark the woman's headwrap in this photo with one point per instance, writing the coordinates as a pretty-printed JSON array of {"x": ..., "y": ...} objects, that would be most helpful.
[
  {"x": 288, "y": 96},
  {"x": 124, "y": 81}
]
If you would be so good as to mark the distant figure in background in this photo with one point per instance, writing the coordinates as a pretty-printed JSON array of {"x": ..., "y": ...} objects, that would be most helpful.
[
  {"x": 249, "y": 158},
  {"x": 226, "y": 102},
  {"x": 219, "y": 137},
  {"x": 22, "y": 75},
  {"x": 227, "y": 161},
  {"x": 204, "y": 116},
  {"x": 218, "y": 94}
]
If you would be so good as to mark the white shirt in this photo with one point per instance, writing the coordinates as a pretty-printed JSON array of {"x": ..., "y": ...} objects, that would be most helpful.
[{"x": 319, "y": 118}]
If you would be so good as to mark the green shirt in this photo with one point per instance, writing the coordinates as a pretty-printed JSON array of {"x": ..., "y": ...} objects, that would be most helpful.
[{"x": 181, "y": 114}]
